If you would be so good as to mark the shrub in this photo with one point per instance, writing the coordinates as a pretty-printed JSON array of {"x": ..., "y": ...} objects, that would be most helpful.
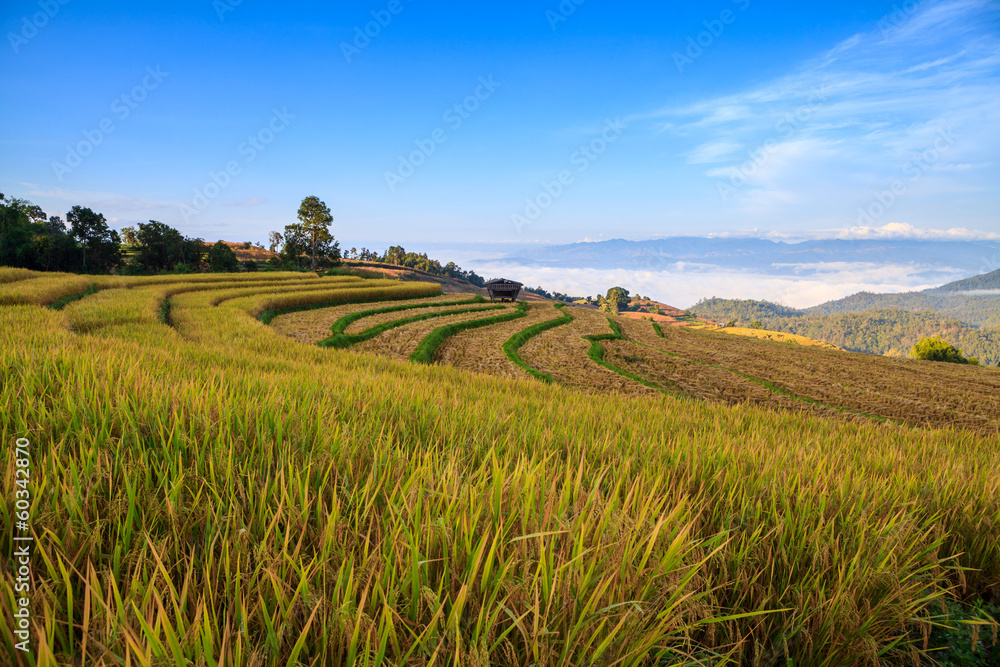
[
  {"x": 250, "y": 265},
  {"x": 936, "y": 349}
]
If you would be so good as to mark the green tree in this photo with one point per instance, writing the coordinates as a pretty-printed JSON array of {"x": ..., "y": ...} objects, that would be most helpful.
[
  {"x": 936, "y": 349},
  {"x": 276, "y": 240},
  {"x": 162, "y": 248},
  {"x": 295, "y": 243},
  {"x": 616, "y": 300},
  {"x": 102, "y": 247},
  {"x": 222, "y": 259},
  {"x": 315, "y": 220},
  {"x": 128, "y": 235},
  {"x": 395, "y": 255}
]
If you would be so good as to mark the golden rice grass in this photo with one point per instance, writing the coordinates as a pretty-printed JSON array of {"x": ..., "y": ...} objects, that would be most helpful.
[{"x": 227, "y": 496}]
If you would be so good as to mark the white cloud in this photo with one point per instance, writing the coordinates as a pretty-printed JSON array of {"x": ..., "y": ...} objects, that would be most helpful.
[
  {"x": 904, "y": 230},
  {"x": 713, "y": 151},
  {"x": 686, "y": 283}
]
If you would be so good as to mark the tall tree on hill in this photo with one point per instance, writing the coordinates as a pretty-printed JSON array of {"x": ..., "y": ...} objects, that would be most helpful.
[
  {"x": 616, "y": 300},
  {"x": 315, "y": 220},
  {"x": 295, "y": 244},
  {"x": 101, "y": 245},
  {"x": 276, "y": 240}
]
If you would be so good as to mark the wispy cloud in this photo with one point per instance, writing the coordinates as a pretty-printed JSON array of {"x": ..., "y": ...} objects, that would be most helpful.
[
  {"x": 850, "y": 120},
  {"x": 109, "y": 202},
  {"x": 256, "y": 201}
]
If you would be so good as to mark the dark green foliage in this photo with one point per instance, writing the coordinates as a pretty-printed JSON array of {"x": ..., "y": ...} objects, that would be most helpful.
[
  {"x": 312, "y": 235},
  {"x": 165, "y": 312},
  {"x": 936, "y": 349},
  {"x": 222, "y": 259},
  {"x": 515, "y": 342},
  {"x": 59, "y": 304},
  {"x": 959, "y": 639},
  {"x": 428, "y": 347},
  {"x": 161, "y": 248},
  {"x": 250, "y": 265},
  {"x": 102, "y": 251},
  {"x": 29, "y": 240}
]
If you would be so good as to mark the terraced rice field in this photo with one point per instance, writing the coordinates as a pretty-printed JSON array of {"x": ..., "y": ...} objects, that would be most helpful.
[
  {"x": 693, "y": 363},
  {"x": 212, "y": 487}
]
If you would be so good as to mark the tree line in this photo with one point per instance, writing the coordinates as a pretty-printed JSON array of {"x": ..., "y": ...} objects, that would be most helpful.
[{"x": 84, "y": 243}]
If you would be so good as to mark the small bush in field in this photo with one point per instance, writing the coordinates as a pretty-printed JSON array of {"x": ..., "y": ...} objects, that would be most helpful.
[{"x": 936, "y": 349}]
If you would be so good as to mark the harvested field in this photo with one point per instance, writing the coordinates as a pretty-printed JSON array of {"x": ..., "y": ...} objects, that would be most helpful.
[
  {"x": 562, "y": 353},
  {"x": 480, "y": 350},
  {"x": 916, "y": 393},
  {"x": 399, "y": 343},
  {"x": 375, "y": 320},
  {"x": 312, "y": 326}
]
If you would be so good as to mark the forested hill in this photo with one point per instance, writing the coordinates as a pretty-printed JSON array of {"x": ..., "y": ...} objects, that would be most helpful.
[
  {"x": 742, "y": 311},
  {"x": 975, "y": 301},
  {"x": 890, "y": 332},
  {"x": 987, "y": 281}
]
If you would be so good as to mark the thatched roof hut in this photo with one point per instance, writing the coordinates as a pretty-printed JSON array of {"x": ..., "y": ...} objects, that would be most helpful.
[{"x": 503, "y": 289}]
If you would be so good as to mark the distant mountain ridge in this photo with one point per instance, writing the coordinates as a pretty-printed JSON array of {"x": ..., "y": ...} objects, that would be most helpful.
[{"x": 763, "y": 255}]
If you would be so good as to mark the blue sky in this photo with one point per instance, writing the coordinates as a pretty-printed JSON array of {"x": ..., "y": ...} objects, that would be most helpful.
[{"x": 794, "y": 120}]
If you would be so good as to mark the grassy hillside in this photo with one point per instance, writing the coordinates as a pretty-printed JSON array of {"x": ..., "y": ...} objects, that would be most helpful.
[{"x": 206, "y": 490}]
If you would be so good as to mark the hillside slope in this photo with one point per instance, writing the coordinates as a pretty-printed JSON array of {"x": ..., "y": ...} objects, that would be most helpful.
[{"x": 206, "y": 490}]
